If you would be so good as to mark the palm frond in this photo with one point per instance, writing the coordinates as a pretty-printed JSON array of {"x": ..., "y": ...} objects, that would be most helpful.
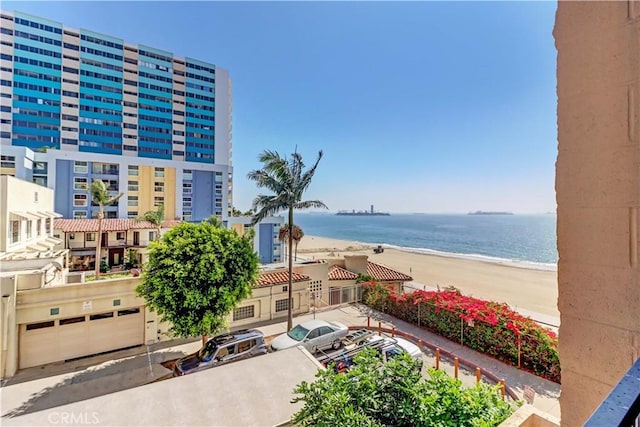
[{"x": 310, "y": 204}]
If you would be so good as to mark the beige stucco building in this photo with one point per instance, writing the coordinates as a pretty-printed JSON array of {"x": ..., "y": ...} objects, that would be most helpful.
[{"x": 598, "y": 196}]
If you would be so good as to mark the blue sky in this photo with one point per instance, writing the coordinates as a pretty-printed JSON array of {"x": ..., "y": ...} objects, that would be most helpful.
[{"x": 418, "y": 106}]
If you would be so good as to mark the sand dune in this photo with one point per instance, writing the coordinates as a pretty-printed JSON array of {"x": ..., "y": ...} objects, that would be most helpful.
[{"x": 522, "y": 288}]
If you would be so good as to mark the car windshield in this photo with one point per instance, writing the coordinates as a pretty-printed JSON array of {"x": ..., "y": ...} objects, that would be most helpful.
[
  {"x": 207, "y": 351},
  {"x": 298, "y": 333}
]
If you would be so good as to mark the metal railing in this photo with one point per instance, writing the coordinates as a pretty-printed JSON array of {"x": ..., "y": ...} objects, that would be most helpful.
[{"x": 621, "y": 408}]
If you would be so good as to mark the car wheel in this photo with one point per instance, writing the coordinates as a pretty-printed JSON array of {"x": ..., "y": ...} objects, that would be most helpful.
[{"x": 336, "y": 345}]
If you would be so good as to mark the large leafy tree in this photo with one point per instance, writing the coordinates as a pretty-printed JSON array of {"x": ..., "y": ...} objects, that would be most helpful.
[
  {"x": 197, "y": 274},
  {"x": 156, "y": 218},
  {"x": 101, "y": 197},
  {"x": 395, "y": 394},
  {"x": 287, "y": 180}
]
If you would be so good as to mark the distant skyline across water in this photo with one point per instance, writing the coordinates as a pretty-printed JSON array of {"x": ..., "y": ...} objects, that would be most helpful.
[
  {"x": 521, "y": 240},
  {"x": 418, "y": 106}
]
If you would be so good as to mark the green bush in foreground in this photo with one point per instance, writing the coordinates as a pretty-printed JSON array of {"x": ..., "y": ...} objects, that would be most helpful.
[{"x": 395, "y": 394}]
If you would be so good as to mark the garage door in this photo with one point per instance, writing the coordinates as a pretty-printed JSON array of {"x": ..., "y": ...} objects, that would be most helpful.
[{"x": 68, "y": 338}]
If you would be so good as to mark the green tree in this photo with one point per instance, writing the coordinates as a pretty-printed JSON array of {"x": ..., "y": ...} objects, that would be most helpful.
[
  {"x": 395, "y": 393},
  {"x": 298, "y": 234},
  {"x": 287, "y": 180},
  {"x": 156, "y": 218},
  {"x": 197, "y": 274},
  {"x": 101, "y": 197}
]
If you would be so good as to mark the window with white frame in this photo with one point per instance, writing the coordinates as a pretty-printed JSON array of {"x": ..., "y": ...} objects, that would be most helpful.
[
  {"x": 132, "y": 214},
  {"x": 120, "y": 235},
  {"x": 79, "y": 214},
  {"x": 159, "y": 172},
  {"x": 187, "y": 174},
  {"x": 133, "y": 170},
  {"x": 80, "y": 167},
  {"x": 186, "y": 187},
  {"x": 80, "y": 183},
  {"x": 79, "y": 200},
  {"x": 132, "y": 200},
  {"x": 246, "y": 312},
  {"x": 39, "y": 227},
  {"x": 158, "y": 186},
  {"x": 47, "y": 225},
  {"x": 152, "y": 235},
  {"x": 157, "y": 201},
  {"x": 132, "y": 186}
]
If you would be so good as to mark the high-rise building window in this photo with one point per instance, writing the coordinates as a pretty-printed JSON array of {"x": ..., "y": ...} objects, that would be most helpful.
[
  {"x": 132, "y": 200},
  {"x": 133, "y": 170},
  {"x": 80, "y": 183},
  {"x": 79, "y": 200},
  {"x": 132, "y": 186},
  {"x": 157, "y": 201},
  {"x": 159, "y": 172},
  {"x": 80, "y": 167},
  {"x": 79, "y": 214},
  {"x": 158, "y": 186},
  {"x": 8, "y": 162}
]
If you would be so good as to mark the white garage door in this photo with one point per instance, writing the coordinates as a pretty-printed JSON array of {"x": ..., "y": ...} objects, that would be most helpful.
[{"x": 68, "y": 338}]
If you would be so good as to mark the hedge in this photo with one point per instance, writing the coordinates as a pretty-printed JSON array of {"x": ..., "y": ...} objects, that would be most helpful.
[{"x": 486, "y": 326}]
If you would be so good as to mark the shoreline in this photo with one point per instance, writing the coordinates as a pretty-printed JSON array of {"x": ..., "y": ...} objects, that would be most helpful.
[{"x": 518, "y": 284}]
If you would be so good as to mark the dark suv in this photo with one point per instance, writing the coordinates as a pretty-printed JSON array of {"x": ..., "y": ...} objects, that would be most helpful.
[{"x": 222, "y": 349}]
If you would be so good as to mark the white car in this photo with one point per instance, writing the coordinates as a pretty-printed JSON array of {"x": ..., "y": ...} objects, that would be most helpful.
[{"x": 313, "y": 335}]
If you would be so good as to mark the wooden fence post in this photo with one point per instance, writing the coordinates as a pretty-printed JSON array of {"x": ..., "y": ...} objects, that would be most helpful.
[
  {"x": 455, "y": 367},
  {"x": 368, "y": 322},
  {"x": 478, "y": 375},
  {"x": 503, "y": 387},
  {"x": 437, "y": 359}
]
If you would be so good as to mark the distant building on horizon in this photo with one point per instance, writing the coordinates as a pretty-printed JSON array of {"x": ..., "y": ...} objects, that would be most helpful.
[{"x": 77, "y": 105}]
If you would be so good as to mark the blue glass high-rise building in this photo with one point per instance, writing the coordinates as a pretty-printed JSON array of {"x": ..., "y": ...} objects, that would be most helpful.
[{"x": 76, "y": 105}]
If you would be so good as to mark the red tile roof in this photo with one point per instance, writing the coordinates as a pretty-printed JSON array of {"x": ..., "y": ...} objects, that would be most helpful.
[
  {"x": 280, "y": 278},
  {"x": 339, "y": 273},
  {"x": 386, "y": 274},
  {"x": 108, "y": 224}
]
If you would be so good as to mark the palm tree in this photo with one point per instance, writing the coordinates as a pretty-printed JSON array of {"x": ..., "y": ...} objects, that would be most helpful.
[
  {"x": 156, "y": 218},
  {"x": 283, "y": 234},
  {"x": 298, "y": 234},
  {"x": 287, "y": 180},
  {"x": 101, "y": 197}
]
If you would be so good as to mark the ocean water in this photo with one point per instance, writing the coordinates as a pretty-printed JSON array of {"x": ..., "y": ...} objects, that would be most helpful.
[{"x": 520, "y": 240}]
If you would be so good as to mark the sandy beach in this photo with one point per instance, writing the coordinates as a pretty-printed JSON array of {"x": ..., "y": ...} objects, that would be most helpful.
[{"x": 524, "y": 289}]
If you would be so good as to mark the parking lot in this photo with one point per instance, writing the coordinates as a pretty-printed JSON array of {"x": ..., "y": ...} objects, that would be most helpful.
[{"x": 49, "y": 386}]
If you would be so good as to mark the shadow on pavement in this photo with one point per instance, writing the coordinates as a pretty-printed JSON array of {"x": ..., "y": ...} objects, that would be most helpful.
[{"x": 108, "y": 377}]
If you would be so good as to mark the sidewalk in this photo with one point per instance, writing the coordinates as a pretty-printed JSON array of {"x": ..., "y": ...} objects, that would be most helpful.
[{"x": 49, "y": 386}]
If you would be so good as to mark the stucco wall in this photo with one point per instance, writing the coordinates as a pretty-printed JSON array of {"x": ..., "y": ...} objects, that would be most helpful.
[{"x": 598, "y": 195}]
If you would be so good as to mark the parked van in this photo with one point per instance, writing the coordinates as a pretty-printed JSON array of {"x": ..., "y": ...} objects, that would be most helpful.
[{"x": 223, "y": 349}]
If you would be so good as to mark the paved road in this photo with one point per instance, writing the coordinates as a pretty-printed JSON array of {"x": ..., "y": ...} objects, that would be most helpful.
[{"x": 49, "y": 386}]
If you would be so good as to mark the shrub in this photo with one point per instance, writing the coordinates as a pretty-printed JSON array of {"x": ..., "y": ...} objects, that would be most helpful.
[
  {"x": 395, "y": 394},
  {"x": 489, "y": 327}
]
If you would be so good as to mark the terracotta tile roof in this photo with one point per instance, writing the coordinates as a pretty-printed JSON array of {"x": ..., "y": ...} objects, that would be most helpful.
[
  {"x": 386, "y": 274},
  {"x": 339, "y": 273},
  {"x": 280, "y": 278},
  {"x": 108, "y": 224}
]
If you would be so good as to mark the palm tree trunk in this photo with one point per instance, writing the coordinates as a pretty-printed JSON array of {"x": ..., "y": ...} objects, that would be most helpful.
[
  {"x": 99, "y": 243},
  {"x": 290, "y": 304}
]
